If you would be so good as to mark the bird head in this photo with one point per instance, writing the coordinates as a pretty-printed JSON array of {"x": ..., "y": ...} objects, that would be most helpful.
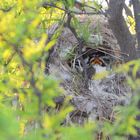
[{"x": 98, "y": 64}]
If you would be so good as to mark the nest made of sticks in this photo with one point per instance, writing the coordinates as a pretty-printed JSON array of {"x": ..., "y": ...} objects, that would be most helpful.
[{"x": 98, "y": 100}]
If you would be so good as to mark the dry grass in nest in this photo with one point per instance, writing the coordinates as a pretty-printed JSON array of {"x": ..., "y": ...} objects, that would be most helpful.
[{"x": 99, "y": 99}]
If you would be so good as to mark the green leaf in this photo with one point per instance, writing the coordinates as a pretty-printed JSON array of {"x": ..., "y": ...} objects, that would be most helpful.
[{"x": 50, "y": 45}]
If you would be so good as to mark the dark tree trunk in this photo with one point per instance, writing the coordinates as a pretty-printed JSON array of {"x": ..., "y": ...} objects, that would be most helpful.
[
  {"x": 120, "y": 29},
  {"x": 136, "y": 7},
  {"x": 123, "y": 35}
]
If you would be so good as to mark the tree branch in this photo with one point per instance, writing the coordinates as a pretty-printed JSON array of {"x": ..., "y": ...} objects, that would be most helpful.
[
  {"x": 80, "y": 46},
  {"x": 46, "y": 5},
  {"x": 120, "y": 29},
  {"x": 136, "y": 7}
]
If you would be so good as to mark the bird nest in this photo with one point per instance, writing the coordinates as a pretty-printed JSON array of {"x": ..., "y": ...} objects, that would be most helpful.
[{"x": 96, "y": 101}]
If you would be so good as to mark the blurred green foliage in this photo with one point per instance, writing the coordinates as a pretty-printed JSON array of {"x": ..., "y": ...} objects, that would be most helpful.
[{"x": 24, "y": 88}]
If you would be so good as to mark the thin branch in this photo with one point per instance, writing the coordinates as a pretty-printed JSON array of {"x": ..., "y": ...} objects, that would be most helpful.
[
  {"x": 32, "y": 80},
  {"x": 8, "y": 9},
  {"x": 80, "y": 46},
  {"x": 36, "y": 91},
  {"x": 107, "y": 2},
  {"x": 10, "y": 59},
  {"x": 45, "y": 5}
]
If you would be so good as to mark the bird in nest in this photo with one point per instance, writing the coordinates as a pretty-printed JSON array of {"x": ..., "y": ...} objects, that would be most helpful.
[
  {"x": 96, "y": 61},
  {"x": 97, "y": 64}
]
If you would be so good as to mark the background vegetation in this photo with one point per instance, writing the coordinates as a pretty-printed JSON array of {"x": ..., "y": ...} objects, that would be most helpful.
[{"x": 27, "y": 107}]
